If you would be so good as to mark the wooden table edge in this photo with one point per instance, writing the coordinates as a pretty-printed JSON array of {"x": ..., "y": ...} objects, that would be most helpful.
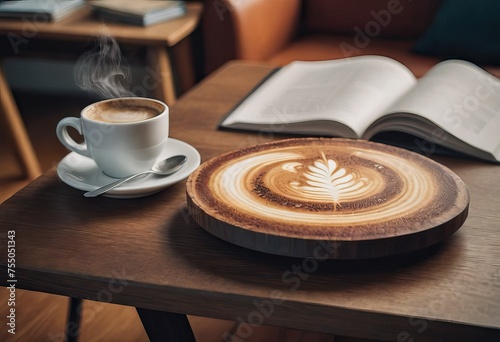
[{"x": 27, "y": 30}]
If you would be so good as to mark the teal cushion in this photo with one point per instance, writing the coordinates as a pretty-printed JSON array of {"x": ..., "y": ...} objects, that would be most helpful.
[{"x": 464, "y": 29}]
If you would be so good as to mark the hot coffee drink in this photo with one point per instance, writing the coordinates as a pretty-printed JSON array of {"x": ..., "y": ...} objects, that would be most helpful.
[
  {"x": 123, "y": 136},
  {"x": 123, "y": 111}
]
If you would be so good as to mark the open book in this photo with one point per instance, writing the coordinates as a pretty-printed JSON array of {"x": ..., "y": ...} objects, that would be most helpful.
[{"x": 455, "y": 104}]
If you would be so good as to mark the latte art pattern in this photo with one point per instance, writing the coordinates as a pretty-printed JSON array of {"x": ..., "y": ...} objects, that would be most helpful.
[
  {"x": 324, "y": 188},
  {"x": 294, "y": 187},
  {"x": 325, "y": 181}
]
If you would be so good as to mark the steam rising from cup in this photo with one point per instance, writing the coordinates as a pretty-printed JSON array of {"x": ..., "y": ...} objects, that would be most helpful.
[{"x": 102, "y": 70}]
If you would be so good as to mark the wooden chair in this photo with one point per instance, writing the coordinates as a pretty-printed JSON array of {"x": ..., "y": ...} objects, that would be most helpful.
[{"x": 16, "y": 130}]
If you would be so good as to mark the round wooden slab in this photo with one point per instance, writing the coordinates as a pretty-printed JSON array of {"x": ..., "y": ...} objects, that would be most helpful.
[{"x": 327, "y": 198}]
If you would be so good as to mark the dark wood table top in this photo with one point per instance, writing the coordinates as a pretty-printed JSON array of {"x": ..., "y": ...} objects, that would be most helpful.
[{"x": 148, "y": 252}]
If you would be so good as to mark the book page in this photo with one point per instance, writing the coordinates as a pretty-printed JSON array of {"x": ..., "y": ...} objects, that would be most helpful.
[
  {"x": 353, "y": 91},
  {"x": 461, "y": 99}
]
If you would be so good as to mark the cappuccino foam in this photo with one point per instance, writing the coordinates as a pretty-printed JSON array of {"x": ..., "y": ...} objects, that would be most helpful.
[{"x": 123, "y": 112}]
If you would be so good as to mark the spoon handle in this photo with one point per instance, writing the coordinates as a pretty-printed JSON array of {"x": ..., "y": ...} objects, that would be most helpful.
[{"x": 113, "y": 185}]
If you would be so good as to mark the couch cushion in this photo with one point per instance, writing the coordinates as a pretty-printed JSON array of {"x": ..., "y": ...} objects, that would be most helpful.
[
  {"x": 384, "y": 18},
  {"x": 466, "y": 29}
]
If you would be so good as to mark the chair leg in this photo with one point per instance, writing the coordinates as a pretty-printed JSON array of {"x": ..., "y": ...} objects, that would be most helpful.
[{"x": 15, "y": 126}]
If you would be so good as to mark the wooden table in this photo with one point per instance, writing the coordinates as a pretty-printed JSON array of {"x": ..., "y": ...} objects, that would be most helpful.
[
  {"x": 168, "y": 53},
  {"x": 148, "y": 252}
]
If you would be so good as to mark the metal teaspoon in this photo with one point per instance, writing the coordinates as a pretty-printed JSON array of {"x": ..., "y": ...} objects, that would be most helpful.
[{"x": 162, "y": 168}]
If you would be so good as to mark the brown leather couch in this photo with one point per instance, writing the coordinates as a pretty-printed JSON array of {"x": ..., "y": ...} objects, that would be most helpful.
[{"x": 280, "y": 31}]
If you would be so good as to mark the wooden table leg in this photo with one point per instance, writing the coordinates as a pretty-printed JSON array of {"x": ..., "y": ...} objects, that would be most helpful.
[
  {"x": 15, "y": 126},
  {"x": 161, "y": 66},
  {"x": 73, "y": 325},
  {"x": 184, "y": 65},
  {"x": 166, "y": 326}
]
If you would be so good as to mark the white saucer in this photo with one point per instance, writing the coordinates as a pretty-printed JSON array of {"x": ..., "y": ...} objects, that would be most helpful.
[{"x": 82, "y": 173}]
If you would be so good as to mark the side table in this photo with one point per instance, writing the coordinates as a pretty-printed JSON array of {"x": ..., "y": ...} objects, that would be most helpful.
[{"x": 168, "y": 50}]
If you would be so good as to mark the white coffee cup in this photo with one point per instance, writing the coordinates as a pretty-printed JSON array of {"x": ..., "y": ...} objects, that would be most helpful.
[{"x": 123, "y": 136}]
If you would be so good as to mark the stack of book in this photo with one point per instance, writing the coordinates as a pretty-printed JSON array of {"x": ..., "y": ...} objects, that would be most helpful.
[
  {"x": 40, "y": 10},
  {"x": 143, "y": 12}
]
